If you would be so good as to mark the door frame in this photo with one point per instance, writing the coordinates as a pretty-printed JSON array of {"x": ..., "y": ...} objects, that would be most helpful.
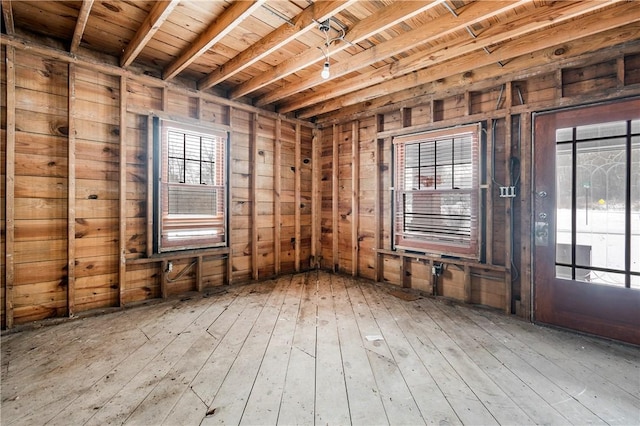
[{"x": 607, "y": 311}]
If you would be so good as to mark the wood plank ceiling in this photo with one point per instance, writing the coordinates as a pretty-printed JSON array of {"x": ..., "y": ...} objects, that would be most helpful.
[{"x": 270, "y": 53}]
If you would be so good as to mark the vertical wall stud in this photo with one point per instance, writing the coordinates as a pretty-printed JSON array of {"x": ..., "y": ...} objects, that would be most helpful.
[
  {"x": 229, "y": 279},
  {"x": 199, "y": 104},
  {"x": 405, "y": 271},
  {"x": 254, "y": 195},
  {"x": 620, "y": 75},
  {"x": 163, "y": 279},
  {"x": 199, "y": 272},
  {"x": 467, "y": 284},
  {"x": 558, "y": 81},
  {"x": 405, "y": 262},
  {"x": 434, "y": 280},
  {"x": 150, "y": 182},
  {"x": 405, "y": 116},
  {"x": 277, "y": 185},
  {"x": 165, "y": 99},
  {"x": 298, "y": 200},
  {"x": 122, "y": 272},
  {"x": 467, "y": 102},
  {"x": 71, "y": 197},
  {"x": 335, "y": 167},
  {"x": 316, "y": 200},
  {"x": 525, "y": 217},
  {"x": 433, "y": 104},
  {"x": 508, "y": 225},
  {"x": 10, "y": 172},
  {"x": 378, "y": 204},
  {"x": 355, "y": 196},
  {"x": 490, "y": 191}
]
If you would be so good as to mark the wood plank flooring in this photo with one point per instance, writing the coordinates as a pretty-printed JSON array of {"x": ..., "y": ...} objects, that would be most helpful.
[{"x": 314, "y": 348}]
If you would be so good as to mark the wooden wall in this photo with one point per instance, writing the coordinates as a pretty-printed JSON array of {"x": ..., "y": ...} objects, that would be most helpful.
[
  {"x": 75, "y": 160},
  {"x": 356, "y": 171}
]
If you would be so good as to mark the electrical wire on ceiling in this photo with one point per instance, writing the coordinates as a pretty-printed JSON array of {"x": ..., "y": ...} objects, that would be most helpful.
[
  {"x": 325, "y": 27},
  {"x": 274, "y": 12}
]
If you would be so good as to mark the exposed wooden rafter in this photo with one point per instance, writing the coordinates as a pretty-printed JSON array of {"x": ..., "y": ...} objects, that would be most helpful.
[
  {"x": 81, "y": 23},
  {"x": 230, "y": 19},
  {"x": 7, "y": 14},
  {"x": 436, "y": 29},
  {"x": 367, "y": 27},
  {"x": 284, "y": 34},
  {"x": 551, "y": 60},
  {"x": 157, "y": 16},
  {"x": 562, "y": 34},
  {"x": 427, "y": 84}
]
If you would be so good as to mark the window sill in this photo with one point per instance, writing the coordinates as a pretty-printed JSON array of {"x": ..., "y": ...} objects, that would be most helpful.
[
  {"x": 439, "y": 259},
  {"x": 181, "y": 254}
]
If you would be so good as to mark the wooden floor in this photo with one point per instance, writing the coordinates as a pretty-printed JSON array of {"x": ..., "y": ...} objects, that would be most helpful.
[{"x": 314, "y": 349}]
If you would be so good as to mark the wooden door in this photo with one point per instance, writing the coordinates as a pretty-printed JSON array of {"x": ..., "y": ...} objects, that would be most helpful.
[{"x": 587, "y": 219}]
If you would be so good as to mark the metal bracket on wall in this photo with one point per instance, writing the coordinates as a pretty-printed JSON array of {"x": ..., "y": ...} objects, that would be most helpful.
[{"x": 507, "y": 192}]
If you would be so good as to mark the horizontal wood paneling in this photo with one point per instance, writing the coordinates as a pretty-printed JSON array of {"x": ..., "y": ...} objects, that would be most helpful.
[
  {"x": 40, "y": 240},
  {"x": 495, "y": 104},
  {"x": 42, "y": 191},
  {"x": 40, "y": 202}
]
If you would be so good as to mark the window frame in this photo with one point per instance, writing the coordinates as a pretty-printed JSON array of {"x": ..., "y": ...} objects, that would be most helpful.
[
  {"x": 423, "y": 243},
  {"x": 162, "y": 220}
]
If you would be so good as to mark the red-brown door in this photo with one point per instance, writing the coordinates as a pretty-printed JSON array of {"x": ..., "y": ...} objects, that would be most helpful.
[{"x": 587, "y": 219}]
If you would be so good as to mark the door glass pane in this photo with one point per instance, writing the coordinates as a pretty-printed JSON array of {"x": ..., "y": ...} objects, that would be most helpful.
[
  {"x": 563, "y": 135},
  {"x": 591, "y": 194},
  {"x": 601, "y": 130},
  {"x": 635, "y": 207},
  {"x": 563, "y": 203},
  {"x": 600, "y": 205}
]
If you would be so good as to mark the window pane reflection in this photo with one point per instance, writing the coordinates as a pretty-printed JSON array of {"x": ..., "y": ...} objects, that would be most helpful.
[{"x": 593, "y": 173}]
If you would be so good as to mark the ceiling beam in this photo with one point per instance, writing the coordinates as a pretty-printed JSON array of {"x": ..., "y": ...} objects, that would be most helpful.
[
  {"x": 81, "y": 24},
  {"x": 523, "y": 23},
  {"x": 617, "y": 43},
  {"x": 7, "y": 14},
  {"x": 427, "y": 33},
  {"x": 223, "y": 25},
  {"x": 610, "y": 18},
  {"x": 97, "y": 64},
  {"x": 152, "y": 23},
  {"x": 373, "y": 24},
  {"x": 303, "y": 22}
]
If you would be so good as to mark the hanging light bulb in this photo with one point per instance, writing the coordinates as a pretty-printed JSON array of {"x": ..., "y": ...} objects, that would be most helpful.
[
  {"x": 324, "y": 27},
  {"x": 325, "y": 71}
]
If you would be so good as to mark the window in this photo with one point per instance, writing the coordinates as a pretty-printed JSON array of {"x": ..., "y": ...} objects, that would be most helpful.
[
  {"x": 190, "y": 190},
  {"x": 436, "y": 192}
]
